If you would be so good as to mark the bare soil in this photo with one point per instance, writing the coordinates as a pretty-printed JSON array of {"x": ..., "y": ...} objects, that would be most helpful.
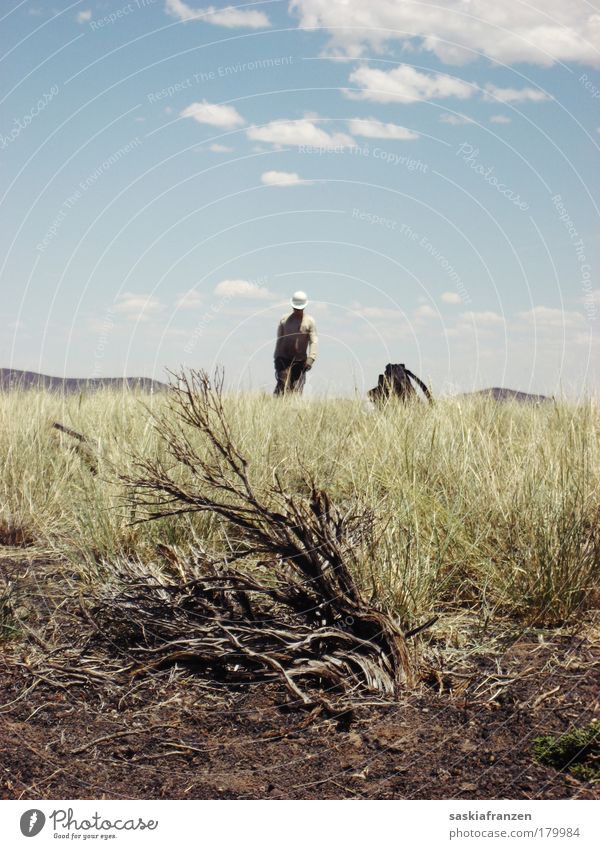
[{"x": 177, "y": 736}]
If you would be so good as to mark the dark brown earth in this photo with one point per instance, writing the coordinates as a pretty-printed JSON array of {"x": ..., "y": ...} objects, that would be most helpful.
[{"x": 179, "y": 737}]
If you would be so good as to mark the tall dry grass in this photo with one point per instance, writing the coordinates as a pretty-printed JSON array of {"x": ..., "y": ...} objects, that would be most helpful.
[{"x": 479, "y": 505}]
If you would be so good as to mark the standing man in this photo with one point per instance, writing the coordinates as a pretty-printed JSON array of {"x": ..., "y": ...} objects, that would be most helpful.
[{"x": 296, "y": 348}]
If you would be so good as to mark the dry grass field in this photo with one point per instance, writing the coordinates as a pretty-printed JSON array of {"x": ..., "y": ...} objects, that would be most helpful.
[{"x": 483, "y": 525}]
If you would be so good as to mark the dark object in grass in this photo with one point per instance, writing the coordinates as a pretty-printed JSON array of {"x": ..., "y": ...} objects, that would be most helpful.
[
  {"x": 81, "y": 446},
  {"x": 297, "y": 617},
  {"x": 577, "y": 752},
  {"x": 397, "y": 382},
  {"x": 69, "y": 432},
  {"x": 13, "y": 535}
]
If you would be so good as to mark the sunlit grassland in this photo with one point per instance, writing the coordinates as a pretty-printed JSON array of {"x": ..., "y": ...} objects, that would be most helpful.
[{"x": 478, "y": 505}]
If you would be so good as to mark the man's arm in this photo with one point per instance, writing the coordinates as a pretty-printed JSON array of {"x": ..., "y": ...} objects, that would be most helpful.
[
  {"x": 278, "y": 344},
  {"x": 314, "y": 343}
]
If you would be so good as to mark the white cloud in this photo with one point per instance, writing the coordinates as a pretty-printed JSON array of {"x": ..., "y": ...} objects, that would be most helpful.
[
  {"x": 425, "y": 311},
  {"x": 551, "y": 317},
  {"x": 379, "y": 313},
  {"x": 404, "y": 85},
  {"x": 230, "y": 17},
  {"x": 281, "y": 178},
  {"x": 487, "y": 317},
  {"x": 500, "y": 119},
  {"x": 451, "y": 298},
  {"x": 220, "y": 148},
  {"x": 215, "y": 114},
  {"x": 300, "y": 132},
  {"x": 458, "y": 31},
  {"x": 242, "y": 289},
  {"x": 233, "y": 18},
  {"x": 482, "y": 324},
  {"x": 137, "y": 307},
  {"x": 84, "y": 16},
  {"x": 455, "y": 120},
  {"x": 592, "y": 297},
  {"x": 586, "y": 339},
  {"x": 173, "y": 332},
  {"x": 514, "y": 95},
  {"x": 189, "y": 300},
  {"x": 370, "y": 128}
]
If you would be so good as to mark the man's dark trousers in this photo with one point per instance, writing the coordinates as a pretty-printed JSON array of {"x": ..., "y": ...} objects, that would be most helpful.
[{"x": 291, "y": 375}]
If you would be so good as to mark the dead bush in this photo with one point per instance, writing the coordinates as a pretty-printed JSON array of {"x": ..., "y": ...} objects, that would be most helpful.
[{"x": 284, "y": 606}]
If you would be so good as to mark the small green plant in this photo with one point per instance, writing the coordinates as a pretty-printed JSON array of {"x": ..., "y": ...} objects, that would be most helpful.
[
  {"x": 578, "y": 751},
  {"x": 8, "y": 624}
]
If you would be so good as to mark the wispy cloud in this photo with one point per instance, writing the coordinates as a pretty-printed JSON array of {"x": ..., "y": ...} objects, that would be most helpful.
[
  {"x": 295, "y": 133},
  {"x": 243, "y": 289},
  {"x": 483, "y": 323},
  {"x": 230, "y": 17},
  {"x": 378, "y": 313},
  {"x": 220, "y": 148},
  {"x": 405, "y": 85},
  {"x": 455, "y": 119},
  {"x": 84, "y": 16},
  {"x": 425, "y": 311},
  {"x": 282, "y": 178},
  {"x": 451, "y": 298},
  {"x": 495, "y": 94},
  {"x": 552, "y": 318},
  {"x": 592, "y": 297},
  {"x": 189, "y": 300},
  {"x": 500, "y": 119},
  {"x": 371, "y": 128},
  {"x": 137, "y": 307},
  {"x": 215, "y": 114},
  {"x": 486, "y": 317}
]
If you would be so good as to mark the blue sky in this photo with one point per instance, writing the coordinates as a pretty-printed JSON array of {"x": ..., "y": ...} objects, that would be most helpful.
[{"x": 170, "y": 173}]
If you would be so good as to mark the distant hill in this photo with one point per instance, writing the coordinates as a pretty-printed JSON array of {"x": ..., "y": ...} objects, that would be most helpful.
[
  {"x": 15, "y": 379},
  {"x": 499, "y": 394}
]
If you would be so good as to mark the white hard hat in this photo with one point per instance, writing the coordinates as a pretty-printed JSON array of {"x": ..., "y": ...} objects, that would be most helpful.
[{"x": 299, "y": 300}]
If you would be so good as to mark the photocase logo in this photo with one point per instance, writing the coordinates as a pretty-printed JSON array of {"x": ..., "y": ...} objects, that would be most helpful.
[{"x": 32, "y": 822}]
